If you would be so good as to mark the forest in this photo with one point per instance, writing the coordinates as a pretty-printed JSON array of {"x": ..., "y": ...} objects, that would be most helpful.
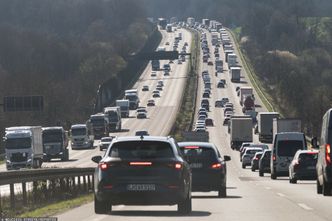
[
  {"x": 63, "y": 50},
  {"x": 289, "y": 44}
]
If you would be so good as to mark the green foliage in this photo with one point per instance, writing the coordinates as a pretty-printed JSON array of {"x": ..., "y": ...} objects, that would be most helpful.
[{"x": 64, "y": 50}]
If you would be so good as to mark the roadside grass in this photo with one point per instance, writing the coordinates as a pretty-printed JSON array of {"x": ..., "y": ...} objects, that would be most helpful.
[
  {"x": 254, "y": 79},
  {"x": 58, "y": 207},
  {"x": 185, "y": 116}
]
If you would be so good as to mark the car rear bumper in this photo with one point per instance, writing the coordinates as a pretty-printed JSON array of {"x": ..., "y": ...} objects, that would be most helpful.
[
  {"x": 305, "y": 175},
  {"x": 162, "y": 196}
]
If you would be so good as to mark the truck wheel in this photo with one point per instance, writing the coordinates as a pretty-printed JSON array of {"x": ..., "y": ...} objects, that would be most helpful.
[
  {"x": 319, "y": 187},
  {"x": 326, "y": 188},
  {"x": 184, "y": 207},
  {"x": 102, "y": 207}
]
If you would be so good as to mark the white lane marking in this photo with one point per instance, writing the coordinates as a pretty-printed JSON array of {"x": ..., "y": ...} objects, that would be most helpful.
[
  {"x": 302, "y": 205},
  {"x": 281, "y": 194},
  {"x": 98, "y": 218},
  {"x": 267, "y": 187}
]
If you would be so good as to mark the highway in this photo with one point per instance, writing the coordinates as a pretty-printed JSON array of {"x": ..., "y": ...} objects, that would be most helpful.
[{"x": 250, "y": 197}]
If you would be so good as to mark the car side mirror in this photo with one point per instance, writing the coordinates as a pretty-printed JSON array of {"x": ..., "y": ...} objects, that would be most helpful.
[
  {"x": 96, "y": 159},
  {"x": 314, "y": 143},
  {"x": 227, "y": 158}
]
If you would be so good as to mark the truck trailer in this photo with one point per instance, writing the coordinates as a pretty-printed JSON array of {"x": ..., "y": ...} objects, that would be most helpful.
[
  {"x": 265, "y": 126},
  {"x": 240, "y": 131}
]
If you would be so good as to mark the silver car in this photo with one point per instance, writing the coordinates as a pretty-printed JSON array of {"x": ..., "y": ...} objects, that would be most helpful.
[{"x": 248, "y": 155}]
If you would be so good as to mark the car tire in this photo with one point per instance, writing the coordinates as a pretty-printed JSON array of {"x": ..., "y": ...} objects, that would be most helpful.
[
  {"x": 292, "y": 180},
  {"x": 184, "y": 207},
  {"x": 243, "y": 166},
  {"x": 319, "y": 187},
  {"x": 261, "y": 173},
  {"x": 252, "y": 169},
  {"x": 102, "y": 207},
  {"x": 222, "y": 193},
  {"x": 273, "y": 176},
  {"x": 326, "y": 188}
]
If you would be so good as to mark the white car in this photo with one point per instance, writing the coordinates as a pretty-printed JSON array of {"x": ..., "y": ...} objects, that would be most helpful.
[
  {"x": 248, "y": 155},
  {"x": 105, "y": 142}
]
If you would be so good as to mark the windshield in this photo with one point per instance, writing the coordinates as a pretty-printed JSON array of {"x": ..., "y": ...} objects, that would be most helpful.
[
  {"x": 288, "y": 148},
  {"x": 78, "y": 131},
  {"x": 18, "y": 143},
  {"x": 199, "y": 153},
  {"x": 97, "y": 121},
  {"x": 52, "y": 136},
  {"x": 141, "y": 150},
  {"x": 131, "y": 97}
]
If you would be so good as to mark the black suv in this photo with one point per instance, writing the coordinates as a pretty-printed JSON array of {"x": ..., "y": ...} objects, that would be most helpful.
[
  {"x": 207, "y": 165},
  {"x": 146, "y": 170}
]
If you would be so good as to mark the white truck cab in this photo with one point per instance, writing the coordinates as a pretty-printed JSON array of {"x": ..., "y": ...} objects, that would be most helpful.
[{"x": 81, "y": 136}]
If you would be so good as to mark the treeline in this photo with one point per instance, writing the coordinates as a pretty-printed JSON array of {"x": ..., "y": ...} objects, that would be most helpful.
[
  {"x": 64, "y": 50},
  {"x": 288, "y": 42}
]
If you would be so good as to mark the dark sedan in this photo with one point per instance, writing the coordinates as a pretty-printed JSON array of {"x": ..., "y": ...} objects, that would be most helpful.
[
  {"x": 264, "y": 163},
  {"x": 207, "y": 165},
  {"x": 144, "y": 170}
]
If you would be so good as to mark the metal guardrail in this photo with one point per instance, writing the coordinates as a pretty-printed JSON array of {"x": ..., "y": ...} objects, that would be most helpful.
[
  {"x": 50, "y": 182},
  {"x": 20, "y": 176}
]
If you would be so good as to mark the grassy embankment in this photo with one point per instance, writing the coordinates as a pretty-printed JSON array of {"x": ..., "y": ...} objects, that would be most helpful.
[
  {"x": 185, "y": 116},
  {"x": 257, "y": 84}
]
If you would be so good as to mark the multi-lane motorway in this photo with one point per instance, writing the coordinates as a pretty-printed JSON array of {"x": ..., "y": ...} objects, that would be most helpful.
[{"x": 249, "y": 197}]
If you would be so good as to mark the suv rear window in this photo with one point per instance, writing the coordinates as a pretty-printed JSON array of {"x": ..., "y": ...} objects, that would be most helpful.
[
  {"x": 288, "y": 148},
  {"x": 306, "y": 157},
  {"x": 199, "y": 153},
  {"x": 141, "y": 150}
]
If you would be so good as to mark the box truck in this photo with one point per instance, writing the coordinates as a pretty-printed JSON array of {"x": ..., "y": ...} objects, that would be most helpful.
[
  {"x": 240, "y": 131},
  {"x": 265, "y": 125}
]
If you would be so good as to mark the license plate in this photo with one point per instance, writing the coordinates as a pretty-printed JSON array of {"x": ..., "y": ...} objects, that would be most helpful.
[
  {"x": 311, "y": 167},
  {"x": 196, "y": 165},
  {"x": 141, "y": 187}
]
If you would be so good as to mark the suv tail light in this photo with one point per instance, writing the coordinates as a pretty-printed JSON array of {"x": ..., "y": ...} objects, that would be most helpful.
[
  {"x": 104, "y": 166},
  {"x": 178, "y": 166},
  {"x": 274, "y": 157},
  {"x": 328, "y": 154},
  {"x": 216, "y": 166}
]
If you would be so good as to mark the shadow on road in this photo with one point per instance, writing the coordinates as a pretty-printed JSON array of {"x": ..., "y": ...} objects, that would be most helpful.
[
  {"x": 57, "y": 161},
  {"x": 159, "y": 213},
  {"x": 258, "y": 105},
  {"x": 216, "y": 197}
]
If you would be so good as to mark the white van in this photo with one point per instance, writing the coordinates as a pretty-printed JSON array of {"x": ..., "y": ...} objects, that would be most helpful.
[{"x": 284, "y": 148}]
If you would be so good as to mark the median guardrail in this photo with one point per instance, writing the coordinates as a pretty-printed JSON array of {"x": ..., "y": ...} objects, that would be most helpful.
[{"x": 47, "y": 183}]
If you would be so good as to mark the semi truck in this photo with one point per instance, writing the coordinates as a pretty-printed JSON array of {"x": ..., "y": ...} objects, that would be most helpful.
[
  {"x": 81, "y": 136},
  {"x": 100, "y": 125},
  {"x": 244, "y": 93},
  {"x": 219, "y": 65},
  {"x": 124, "y": 107},
  {"x": 162, "y": 22},
  {"x": 114, "y": 117},
  {"x": 231, "y": 60},
  {"x": 155, "y": 64},
  {"x": 286, "y": 125},
  {"x": 23, "y": 147},
  {"x": 265, "y": 125},
  {"x": 235, "y": 73},
  {"x": 240, "y": 131},
  {"x": 132, "y": 96},
  {"x": 55, "y": 143},
  {"x": 169, "y": 28}
]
